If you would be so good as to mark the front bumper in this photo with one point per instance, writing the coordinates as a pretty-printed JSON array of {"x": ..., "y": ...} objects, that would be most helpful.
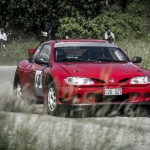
[{"x": 96, "y": 94}]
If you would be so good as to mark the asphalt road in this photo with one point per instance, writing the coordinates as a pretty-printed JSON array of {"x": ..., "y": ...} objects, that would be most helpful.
[{"x": 59, "y": 133}]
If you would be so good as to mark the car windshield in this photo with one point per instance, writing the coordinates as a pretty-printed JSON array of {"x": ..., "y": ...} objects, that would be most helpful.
[{"x": 88, "y": 52}]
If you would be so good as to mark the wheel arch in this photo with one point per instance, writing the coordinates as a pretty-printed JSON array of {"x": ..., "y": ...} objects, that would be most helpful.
[{"x": 49, "y": 79}]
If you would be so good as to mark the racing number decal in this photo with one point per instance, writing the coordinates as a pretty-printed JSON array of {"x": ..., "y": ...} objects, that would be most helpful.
[
  {"x": 38, "y": 82},
  {"x": 38, "y": 79}
]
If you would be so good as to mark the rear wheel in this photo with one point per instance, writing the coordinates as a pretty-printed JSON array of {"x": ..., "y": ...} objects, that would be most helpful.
[{"x": 51, "y": 100}]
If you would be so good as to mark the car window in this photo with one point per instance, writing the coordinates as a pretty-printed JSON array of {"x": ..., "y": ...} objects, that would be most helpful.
[
  {"x": 45, "y": 52},
  {"x": 95, "y": 53},
  {"x": 117, "y": 54},
  {"x": 32, "y": 58}
]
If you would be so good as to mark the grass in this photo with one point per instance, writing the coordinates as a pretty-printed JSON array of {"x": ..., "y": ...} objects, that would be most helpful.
[
  {"x": 16, "y": 51},
  {"x": 137, "y": 48}
]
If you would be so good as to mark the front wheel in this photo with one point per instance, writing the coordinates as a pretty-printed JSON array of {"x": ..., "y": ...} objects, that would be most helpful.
[
  {"x": 51, "y": 100},
  {"x": 18, "y": 91}
]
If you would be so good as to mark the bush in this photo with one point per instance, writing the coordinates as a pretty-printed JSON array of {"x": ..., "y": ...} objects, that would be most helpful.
[{"x": 123, "y": 25}]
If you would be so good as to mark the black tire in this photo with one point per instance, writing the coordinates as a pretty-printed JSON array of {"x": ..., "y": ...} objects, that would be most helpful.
[{"x": 52, "y": 107}]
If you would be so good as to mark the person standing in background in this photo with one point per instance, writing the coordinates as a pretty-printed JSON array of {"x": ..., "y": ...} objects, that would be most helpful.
[
  {"x": 67, "y": 37},
  {"x": 109, "y": 36},
  {"x": 3, "y": 39},
  {"x": 46, "y": 29}
]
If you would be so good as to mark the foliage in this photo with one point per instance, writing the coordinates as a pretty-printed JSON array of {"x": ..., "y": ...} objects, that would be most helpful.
[
  {"x": 85, "y": 19},
  {"x": 123, "y": 26}
]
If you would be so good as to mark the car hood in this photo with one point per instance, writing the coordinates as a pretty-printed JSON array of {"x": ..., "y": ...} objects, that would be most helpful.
[{"x": 104, "y": 71}]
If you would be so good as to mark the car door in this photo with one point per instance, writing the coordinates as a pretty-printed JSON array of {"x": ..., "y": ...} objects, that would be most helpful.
[
  {"x": 37, "y": 72},
  {"x": 26, "y": 70}
]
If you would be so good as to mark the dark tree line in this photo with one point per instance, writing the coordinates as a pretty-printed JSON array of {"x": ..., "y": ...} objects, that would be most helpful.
[{"x": 26, "y": 15}]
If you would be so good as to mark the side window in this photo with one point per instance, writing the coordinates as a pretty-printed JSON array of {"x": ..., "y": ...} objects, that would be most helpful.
[
  {"x": 118, "y": 54},
  {"x": 45, "y": 52},
  {"x": 32, "y": 59}
]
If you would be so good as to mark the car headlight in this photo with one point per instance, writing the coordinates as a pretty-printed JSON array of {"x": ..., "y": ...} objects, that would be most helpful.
[
  {"x": 78, "y": 81},
  {"x": 140, "y": 80}
]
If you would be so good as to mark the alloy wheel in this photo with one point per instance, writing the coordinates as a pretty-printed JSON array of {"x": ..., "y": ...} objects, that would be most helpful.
[{"x": 52, "y": 99}]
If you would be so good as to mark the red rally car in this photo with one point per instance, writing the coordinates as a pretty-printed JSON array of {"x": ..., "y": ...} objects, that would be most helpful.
[{"x": 67, "y": 73}]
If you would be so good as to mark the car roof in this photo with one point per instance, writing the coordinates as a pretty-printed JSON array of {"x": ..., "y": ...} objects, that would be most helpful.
[
  {"x": 82, "y": 40},
  {"x": 77, "y": 40},
  {"x": 103, "y": 42}
]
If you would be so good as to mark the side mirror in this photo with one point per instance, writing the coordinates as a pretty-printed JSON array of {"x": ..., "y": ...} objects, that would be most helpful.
[
  {"x": 42, "y": 61},
  {"x": 31, "y": 51},
  {"x": 137, "y": 59}
]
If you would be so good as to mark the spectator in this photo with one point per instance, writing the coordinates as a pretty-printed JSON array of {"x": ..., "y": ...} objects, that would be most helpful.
[
  {"x": 109, "y": 36},
  {"x": 3, "y": 38},
  {"x": 67, "y": 37},
  {"x": 46, "y": 29}
]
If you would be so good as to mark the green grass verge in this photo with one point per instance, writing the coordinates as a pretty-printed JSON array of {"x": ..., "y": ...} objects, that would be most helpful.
[
  {"x": 137, "y": 48},
  {"x": 16, "y": 51}
]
